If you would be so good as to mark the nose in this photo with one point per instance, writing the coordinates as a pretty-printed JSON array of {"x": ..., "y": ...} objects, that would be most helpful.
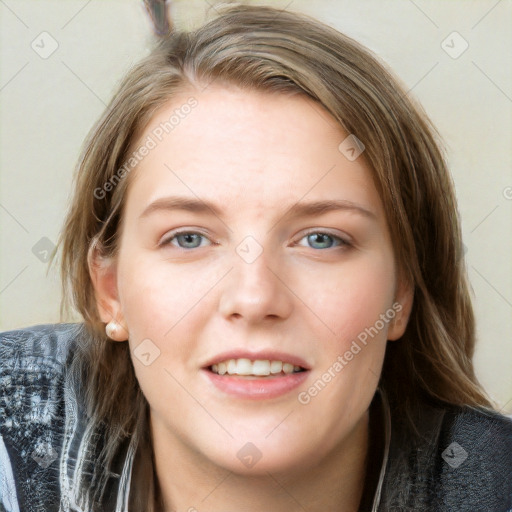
[{"x": 255, "y": 292}]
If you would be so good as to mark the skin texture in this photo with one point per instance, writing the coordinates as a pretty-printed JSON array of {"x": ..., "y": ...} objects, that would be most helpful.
[{"x": 254, "y": 155}]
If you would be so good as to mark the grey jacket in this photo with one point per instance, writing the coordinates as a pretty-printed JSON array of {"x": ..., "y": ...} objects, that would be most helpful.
[{"x": 462, "y": 460}]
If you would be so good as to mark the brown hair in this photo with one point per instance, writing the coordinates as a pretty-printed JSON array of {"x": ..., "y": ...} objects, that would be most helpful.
[{"x": 265, "y": 49}]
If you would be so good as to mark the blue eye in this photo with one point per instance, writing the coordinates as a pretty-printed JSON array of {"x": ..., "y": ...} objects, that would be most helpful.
[
  {"x": 193, "y": 240},
  {"x": 187, "y": 240},
  {"x": 319, "y": 240}
]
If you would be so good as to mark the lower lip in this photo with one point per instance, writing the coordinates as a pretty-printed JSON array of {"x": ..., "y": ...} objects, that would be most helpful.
[{"x": 257, "y": 389}]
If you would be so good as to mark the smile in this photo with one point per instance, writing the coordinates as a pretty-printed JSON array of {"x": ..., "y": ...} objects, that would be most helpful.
[
  {"x": 256, "y": 376},
  {"x": 257, "y": 368}
]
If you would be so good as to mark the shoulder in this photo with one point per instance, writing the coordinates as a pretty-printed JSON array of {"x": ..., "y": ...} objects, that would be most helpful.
[
  {"x": 475, "y": 465},
  {"x": 33, "y": 364},
  {"x": 491, "y": 431},
  {"x": 32, "y": 369},
  {"x": 461, "y": 460},
  {"x": 48, "y": 343}
]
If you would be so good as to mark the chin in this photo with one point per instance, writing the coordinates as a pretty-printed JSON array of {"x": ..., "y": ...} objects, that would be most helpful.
[
  {"x": 259, "y": 455},
  {"x": 259, "y": 463}
]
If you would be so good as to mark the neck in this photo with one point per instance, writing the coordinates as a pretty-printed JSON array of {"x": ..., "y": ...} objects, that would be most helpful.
[{"x": 189, "y": 482}]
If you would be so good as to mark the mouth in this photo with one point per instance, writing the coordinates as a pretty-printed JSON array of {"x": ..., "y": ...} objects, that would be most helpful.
[
  {"x": 256, "y": 377},
  {"x": 255, "y": 369}
]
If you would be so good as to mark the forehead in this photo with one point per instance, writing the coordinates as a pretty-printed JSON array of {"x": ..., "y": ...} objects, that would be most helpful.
[{"x": 251, "y": 148}]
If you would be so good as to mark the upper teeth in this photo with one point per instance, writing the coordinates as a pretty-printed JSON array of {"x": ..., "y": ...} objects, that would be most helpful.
[{"x": 258, "y": 367}]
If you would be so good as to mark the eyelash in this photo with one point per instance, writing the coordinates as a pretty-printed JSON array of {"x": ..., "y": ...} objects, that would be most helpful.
[
  {"x": 168, "y": 240},
  {"x": 341, "y": 242}
]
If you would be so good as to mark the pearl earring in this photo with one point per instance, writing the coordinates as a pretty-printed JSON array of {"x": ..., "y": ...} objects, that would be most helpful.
[{"x": 111, "y": 328}]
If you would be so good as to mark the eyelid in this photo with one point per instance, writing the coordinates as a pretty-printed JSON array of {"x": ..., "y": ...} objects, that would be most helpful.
[
  {"x": 167, "y": 238},
  {"x": 344, "y": 239},
  {"x": 170, "y": 235}
]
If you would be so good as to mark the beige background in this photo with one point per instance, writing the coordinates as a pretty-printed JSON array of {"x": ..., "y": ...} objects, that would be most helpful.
[{"x": 49, "y": 104}]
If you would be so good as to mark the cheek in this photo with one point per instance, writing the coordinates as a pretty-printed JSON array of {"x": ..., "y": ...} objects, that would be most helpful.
[
  {"x": 351, "y": 298},
  {"x": 166, "y": 308},
  {"x": 157, "y": 295},
  {"x": 351, "y": 359}
]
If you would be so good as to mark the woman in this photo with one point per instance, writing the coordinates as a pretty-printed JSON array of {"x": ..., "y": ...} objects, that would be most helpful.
[{"x": 265, "y": 248}]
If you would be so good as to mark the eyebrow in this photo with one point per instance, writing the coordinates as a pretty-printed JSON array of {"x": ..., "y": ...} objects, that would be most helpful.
[{"x": 299, "y": 209}]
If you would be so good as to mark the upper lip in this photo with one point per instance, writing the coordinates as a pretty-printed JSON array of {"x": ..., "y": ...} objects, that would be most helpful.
[{"x": 264, "y": 355}]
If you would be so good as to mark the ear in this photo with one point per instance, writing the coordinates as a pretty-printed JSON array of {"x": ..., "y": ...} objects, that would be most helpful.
[
  {"x": 402, "y": 305},
  {"x": 103, "y": 272}
]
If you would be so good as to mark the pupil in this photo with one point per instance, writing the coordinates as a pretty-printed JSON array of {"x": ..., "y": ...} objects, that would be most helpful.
[
  {"x": 321, "y": 239},
  {"x": 189, "y": 239}
]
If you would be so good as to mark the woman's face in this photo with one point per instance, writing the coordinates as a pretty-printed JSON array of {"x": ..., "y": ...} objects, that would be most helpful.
[{"x": 249, "y": 235}]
